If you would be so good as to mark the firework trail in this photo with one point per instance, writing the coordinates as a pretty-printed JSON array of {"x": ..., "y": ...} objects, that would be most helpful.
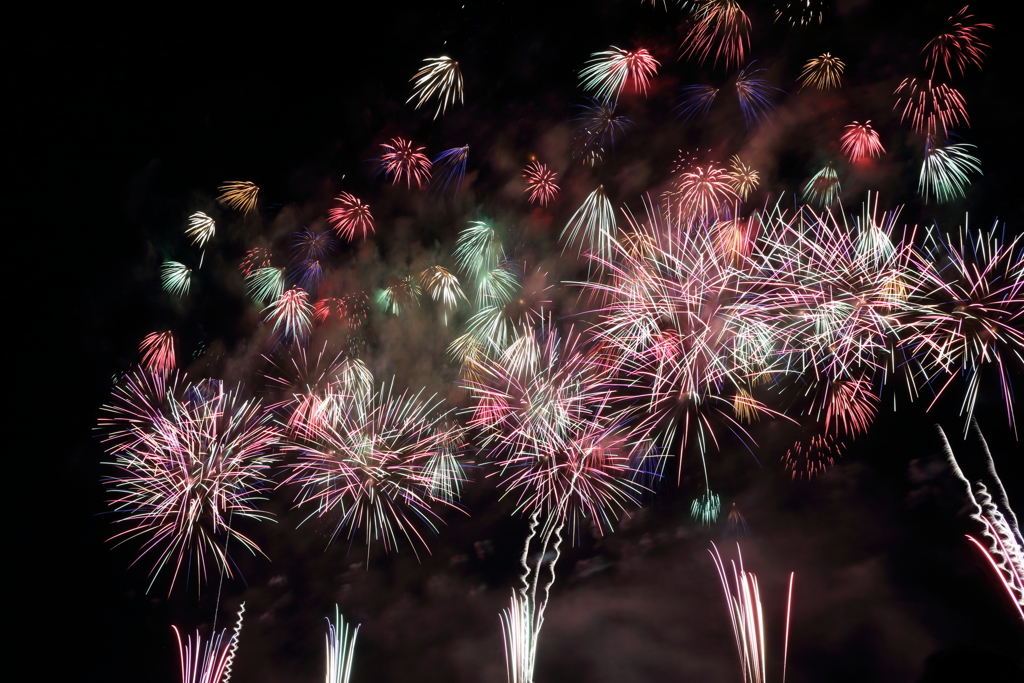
[
  {"x": 608, "y": 73},
  {"x": 822, "y": 72},
  {"x": 959, "y": 45},
  {"x": 239, "y": 195},
  {"x": 341, "y": 649},
  {"x": 212, "y": 663},
  {"x": 439, "y": 77},
  {"x": 402, "y": 160},
  {"x": 540, "y": 183},
  {"x": 189, "y": 460},
  {"x": 743, "y": 599},
  {"x": 1004, "y": 544},
  {"x": 365, "y": 461},
  {"x": 722, "y": 26}
]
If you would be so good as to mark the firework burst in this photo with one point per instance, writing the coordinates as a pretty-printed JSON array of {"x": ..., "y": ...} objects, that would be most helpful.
[
  {"x": 439, "y": 77},
  {"x": 860, "y": 142},
  {"x": 540, "y": 183},
  {"x": 932, "y": 108},
  {"x": 822, "y": 72},
  {"x": 958, "y": 46},
  {"x": 608, "y": 73},
  {"x": 944, "y": 171},
  {"x": 176, "y": 278},
  {"x": 597, "y": 130},
  {"x": 721, "y": 26},
  {"x": 755, "y": 95},
  {"x": 823, "y": 188},
  {"x": 239, "y": 195},
  {"x": 743, "y": 178},
  {"x": 157, "y": 351},
  {"x": 351, "y": 216},
  {"x": 291, "y": 314},
  {"x": 265, "y": 284},
  {"x": 450, "y": 169},
  {"x": 402, "y": 160}
]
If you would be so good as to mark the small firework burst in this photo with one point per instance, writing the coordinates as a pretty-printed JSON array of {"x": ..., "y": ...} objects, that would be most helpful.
[
  {"x": 201, "y": 229},
  {"x": 743, "y": 178},
  {"x": 239, "y": 195},
  {"x": 959, "y": 45},
  {"x": 255, "y": 258},
  {"x": 608, "y": 73},
  {"x": 599, "y": 127},
  {"x": 799, "y": 13},
  {"x": 696, "y": 101},
  {"x": 706, "y": 508},
  {"x": 944, "y": 171},
  {"x": 176, "y": 278},
  {"x": 442, "y": 285},
  {"x": 350, "y": 216},
  {"x": 755, "y": 95},
  {"x": 932, "y": 108},
  {"x": 861, "y": 141},
  {"x": 439, "y": 77},
  {"x": 721, "y": 26},
  {"x": 265, "y": 284},
  {"x": 540, "y": 183},
  {"x": 399, "y": 294},
  {"x": 823, "y": 188},
  {"x": 822, "y": 72},
  {"x": 592, "y": 226},
  {"x": 705, "y": 193},
  {"x": 157, "y": 350},
  {"x": 402, "y": 160},
  {"x": 449, "y": 169},
  {"x": 291, "y": 314}
]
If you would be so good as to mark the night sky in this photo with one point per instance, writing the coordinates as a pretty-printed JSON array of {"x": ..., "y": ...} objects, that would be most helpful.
[{"x": 136, "y": 118}]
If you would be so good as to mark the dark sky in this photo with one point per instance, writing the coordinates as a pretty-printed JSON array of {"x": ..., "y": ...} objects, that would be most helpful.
[{"x": 134, "y": 117}]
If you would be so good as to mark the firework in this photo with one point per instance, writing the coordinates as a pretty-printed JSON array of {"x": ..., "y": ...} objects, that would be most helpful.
[
  {"x": 743, "y": 600},
  {"x": 439, "y": 77},
  {"x": 823, "y": 188},
  {"x": 932, "y": 108},
  {"x": 402, "y": 160},
  {"x": 291, "y": 314},
  {"x": 157, "y": 351},
  {"x": 265, "y": 284},
  {"x": 201, "y": 229},
  {"x": 519, "y": 631},
  {"x": 544, "y": 416},
  {"x": 722, "y": 26},
  {"x": 366, "y": 463},
  {"x": 255, "y": 258},
  {"x": 798, "y": 13},
  {"x": 312, "y": 245},
  {"x": 1004, "y": 544},
  {"x": 341, "y": 649},
  {"x": 450, "y": 169},
  {"x": 608, "y": 73},
  {"x": 442, "y": 286},
  {"x": 696, "y": 101},
  {"x": 350, "y": 217},
  {"x": 959, "y": 45},
  {"x": 944, "y": 171},
  {"x": 705, "y": 193},
  {"x": 755, "y": 97},
  {"x": 822, "y": 72},
  {"x": 743, "y": 178},
  {"x": 706, "y": 508},
  {"x": 190, "y": 462},
  {"x": 540, "y": 183},
  {"x": 860, "y": 141},
  {"x": 598, "y": 129},
  {"x": 477, "y": 252},
  {"x": 968, "y": 312},
  {"x": 399, "y": 294},
  {"x": 239, "y": 195},
  {"x": 176, "y": 278},
  {"x": 592, "y": 226}
]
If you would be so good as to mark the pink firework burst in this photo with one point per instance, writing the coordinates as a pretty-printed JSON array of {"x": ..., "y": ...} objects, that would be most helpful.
[
  {"x": 157, "y": 351},
  {"x": 861, "y": 141},
  {"x": 705, "y": 193},
  {"x": 958, "y": 46},
  {"x": 291, "y": 314},
  {"x": 402, "y": 160},
  {"x": 721, "y": 26},
  {"x": 540, "y": 183},
  {"x": 932, "y": 108},
  {"x": 350, "y": 217}
]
